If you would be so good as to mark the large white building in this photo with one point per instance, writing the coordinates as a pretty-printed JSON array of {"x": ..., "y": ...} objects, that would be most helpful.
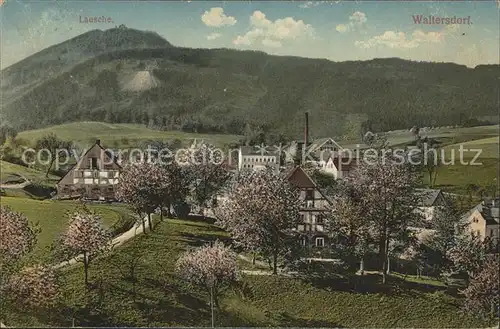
[{"x": 254, "y": 158}]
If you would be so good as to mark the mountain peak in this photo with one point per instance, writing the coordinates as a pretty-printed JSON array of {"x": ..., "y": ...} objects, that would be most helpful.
[{"x": 66, "y": 54}]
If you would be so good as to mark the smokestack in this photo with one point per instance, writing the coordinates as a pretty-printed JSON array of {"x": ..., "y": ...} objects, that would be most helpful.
[
  {"x": 98, "y": 141},
  {"x": 306, "y": 130}
]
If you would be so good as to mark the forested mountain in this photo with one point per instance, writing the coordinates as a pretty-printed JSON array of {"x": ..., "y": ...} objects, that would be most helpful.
[
  {"x": 221, "y": 90},
  {"x": 56, "y": 59}
]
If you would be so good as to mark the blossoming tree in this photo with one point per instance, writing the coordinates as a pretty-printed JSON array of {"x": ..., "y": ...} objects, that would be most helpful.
[
  {"x": 86, "y": 235},
  {"x": 210, "y": 267},
  {"x": 262, "y": 213}
]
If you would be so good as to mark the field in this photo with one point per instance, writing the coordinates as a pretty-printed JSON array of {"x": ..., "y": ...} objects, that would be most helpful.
[
  {"x": 456, "y": 177},
  {"x": 119, "y": 135},
  {"x": 488, "y": 147},
  {"x": 136, "y": 285},
  {"x": 445, "y": 135},
  {"x": 52, "y": 219}
]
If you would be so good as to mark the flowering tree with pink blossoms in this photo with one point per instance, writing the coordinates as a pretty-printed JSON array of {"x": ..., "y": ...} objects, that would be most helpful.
[
  {"x": 86, "y": 236},
  {"x": 347, "y": 226},
  {"x": 138, "y": 187},
  {"x": 34, "y": 287},
  {"x": 18, "y": 237},
  {"x": 150, "y": 185},
  {"x": 262, "y": 214},
  {"x": 386, "y": 189},
  {"x": 244, "y": 231},
  {"x": 482, "y": 293},
  {"x": 29, "y": 287},
  {"x": 211, "y": 267}
]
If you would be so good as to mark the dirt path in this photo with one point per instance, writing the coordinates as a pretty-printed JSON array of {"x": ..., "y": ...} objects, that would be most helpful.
[
  {"x": 117, "y": 241},
  {"x": 17, "y": 186}
]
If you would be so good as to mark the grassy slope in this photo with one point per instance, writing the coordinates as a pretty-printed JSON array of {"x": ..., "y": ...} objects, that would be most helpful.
[
  {"x": 116, "y": 134},
  {"x": 455, "y": 178},
  {"x": 454, "y": 135},
  {"x": 488, "y": 147},
  {"x": 162, "y": 299},
  {"x": 41, "y": 189},
  {"x": 8, "y": 169},
  {"x": 52, "y": 219}
]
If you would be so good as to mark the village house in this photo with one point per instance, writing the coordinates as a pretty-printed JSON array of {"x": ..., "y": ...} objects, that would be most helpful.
[
  {"x": 94, "y": 176},
  {"x": 432, "y": 200},
  {"x": 313, "y": 215},
  {"x": 483, "y": 219},
  {"x": 338, "y": 166},
  {"x": 323, "y": 153}
]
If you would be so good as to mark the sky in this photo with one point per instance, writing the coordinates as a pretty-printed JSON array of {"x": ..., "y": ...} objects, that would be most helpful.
[{"x": 335, "y": 30}]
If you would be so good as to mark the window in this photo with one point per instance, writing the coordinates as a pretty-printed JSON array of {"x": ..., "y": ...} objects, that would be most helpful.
[
  {"x": 93, "y": 163},
  {"x": 309, "y": 194},
  {"x": 320, "y": 219},
  {"x": 301, "y": 218},
  {"x": 320, "y": 242}
]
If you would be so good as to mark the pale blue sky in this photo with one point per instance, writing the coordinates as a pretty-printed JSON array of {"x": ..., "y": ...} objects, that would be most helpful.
[{"x": 336, "y": 30}]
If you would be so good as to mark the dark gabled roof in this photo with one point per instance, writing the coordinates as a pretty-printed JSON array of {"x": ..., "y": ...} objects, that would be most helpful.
[
  {"x": 301, "y": 179},
  {"x": 317, "y": 143},
  {"x": 110, "y": 155},
  {"x": 429, "y": 196},
  {"x": 489, "y": 210},
  {"x": 83, "y": 157}
]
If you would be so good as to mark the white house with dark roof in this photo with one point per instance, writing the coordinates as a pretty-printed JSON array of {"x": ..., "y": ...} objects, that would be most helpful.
[
  {"x": 483, "y": 219},
  {"x": 94, "y": 176},
  {"x": 431, "y": 201}
]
